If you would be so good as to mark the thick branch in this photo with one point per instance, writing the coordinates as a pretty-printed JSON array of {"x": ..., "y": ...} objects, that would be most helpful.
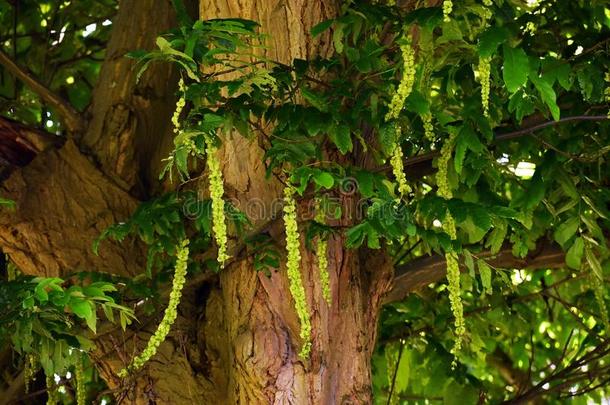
[
  {"x": 69, "y": 116},
  {"x": 417, "y": 166},
  {"x": 19, "y": 143},
  {"x": 426, "y": 270}
]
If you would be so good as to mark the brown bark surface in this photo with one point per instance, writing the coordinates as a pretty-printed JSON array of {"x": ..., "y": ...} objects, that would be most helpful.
[{"x": 258, "y": 317}]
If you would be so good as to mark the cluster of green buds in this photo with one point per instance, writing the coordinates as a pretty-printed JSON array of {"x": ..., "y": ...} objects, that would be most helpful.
[
  {"x": 484, "y": 77},
  {"x": 396, "y": 105},
  {"x": 321, "y": 248},
  {"x": 406, "y": 83},
  {"x": 454, "y": 288},
  {"x": 79, "y": 376},
  {"x": 488, "y": 12},
  {"x": 179, "y": 107},
  {"x": 29, "y": 371},
  {"x": 171, "y": 312},
  {"x": 219, "y": 225},
  {"x": 442, "y": 179},
  {"x": 447, "y": 9},
  {"x": 293, "y": 266},
  {"x": 52, "y": 392},
  {"x": 428, "y": 127},
  {"x": 453, "y": 268},
  {"x": 398, "y": 168}
]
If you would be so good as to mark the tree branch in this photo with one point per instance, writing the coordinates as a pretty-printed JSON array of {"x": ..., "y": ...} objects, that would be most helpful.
[
  {"x": 417, "y": 166},
  {"x": 19, "y": 143},
  {"x": 69, "y": 116},
  {"x": 426, "y": 270}
]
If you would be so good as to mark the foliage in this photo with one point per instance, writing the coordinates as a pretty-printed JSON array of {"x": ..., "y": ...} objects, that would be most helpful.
[
  {"x": 47, "y": 318},
  {"x": 496, "y": 87},
  {"x": 62, "y": 43},
  {"x": 171, "y": 312}
]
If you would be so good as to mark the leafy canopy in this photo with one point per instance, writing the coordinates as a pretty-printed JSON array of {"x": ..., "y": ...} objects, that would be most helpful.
[{"x": 521, "y": 89}]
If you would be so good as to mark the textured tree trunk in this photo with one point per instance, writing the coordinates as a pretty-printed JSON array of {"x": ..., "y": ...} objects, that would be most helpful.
[{"x": 236, "y": 339}]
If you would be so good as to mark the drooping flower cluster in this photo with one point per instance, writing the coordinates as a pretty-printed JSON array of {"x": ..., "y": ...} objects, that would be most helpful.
[
  {"x": 488, "y": 12},
  {"x": 396, "y": 105},
  {"x": 451, "y": 258},
  {"x": 321, "y": 247},
  {"x": 219, "y": 225},
  {"x": 447, "y": 9},
  {"x": 52, "y": 393},
  {"x": 484, "y": 77},
  {"x": 79, "y": 376},
  {"x": 29, "y": 371},
  {"x": 442, "y": 182},
  {"x": 406, "y": 83},
  {"x": 398, "y": 169},
  {"x": 428, "y": 127},
  {"x": 293, "y": 266},
  {"x": 179, "y": 107},
  {"x": 171, "y": 311}
]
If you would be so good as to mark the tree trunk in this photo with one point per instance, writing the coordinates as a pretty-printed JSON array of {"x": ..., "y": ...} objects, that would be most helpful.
[{"x": 236, "y": 339}]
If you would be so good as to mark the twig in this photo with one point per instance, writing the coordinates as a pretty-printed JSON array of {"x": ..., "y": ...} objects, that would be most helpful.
[
  {"x": 69, "y": 116},
  {"x": 402, "y": 346}
]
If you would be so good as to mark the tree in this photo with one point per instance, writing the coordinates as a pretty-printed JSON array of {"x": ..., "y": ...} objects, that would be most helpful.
[{"x": 436, "y": 169}]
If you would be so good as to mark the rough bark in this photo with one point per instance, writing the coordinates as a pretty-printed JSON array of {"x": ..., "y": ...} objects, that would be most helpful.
[
  {"x": 128, "y": 132},
  {"x": 62, "y": 204},
  {"x": 258, "y": 317}
]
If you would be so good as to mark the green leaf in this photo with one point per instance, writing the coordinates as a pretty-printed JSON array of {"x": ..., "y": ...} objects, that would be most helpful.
[
  {"x": 574, "y": 254},
  {"x": 548, "y": 96},
  {"x": 516, "y": 68},
  {"x": 365, "y": 183},
  {"x": 535, "y": 192},
  {"x": 490, "y": 40},
  {"x": 321, "y": 27},
  {"x": 324, "y": 179},
  {"x": 485, "y": 274},
  {"x": 566, "y": 231},
  {"x": 403, "y": 372},
  {"x": 417, "y": 103},
  {"x": 593, "y": 261},
  {"x": 314, "y": 99},
  {"x": 387, "y": 137},
  {"x": 341, "y": 137},
  {"x": 80, "y": 307},
  {"x": 338, "y": 37}
]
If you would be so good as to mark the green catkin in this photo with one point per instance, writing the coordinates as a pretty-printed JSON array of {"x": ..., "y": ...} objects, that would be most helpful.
[
  {"x": 29, "y": 371},
  {"x": 52, "y": 393},
  {"x": 484, "y": 69},
  {"x": 321, "y": 248},
  {"x": 488, "y": 12},
  {"x": 453, "y": 269},
  {"x": 398, "y": 169},
  {"x": 404, "y": 89},
  {"x": 219, "y": 225},
  {"x": 598, "y": 291},
  {"x": 428, "y": 127},
  {"x": 179, "y": 107},
  {"x": 293, "y": 266},
  {"x": 447, "y": 9},
  {"x": 171, "y": 311},
  {"x": 406, "y": 83},
  {"x": 79, "y": 377}
]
